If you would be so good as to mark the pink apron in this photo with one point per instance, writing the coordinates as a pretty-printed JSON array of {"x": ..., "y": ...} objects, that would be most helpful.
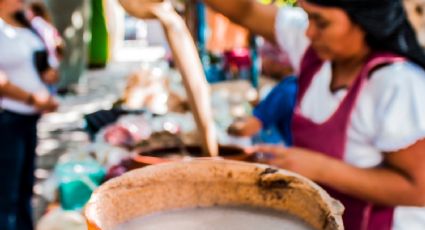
[{"x": 330, "y": 138}]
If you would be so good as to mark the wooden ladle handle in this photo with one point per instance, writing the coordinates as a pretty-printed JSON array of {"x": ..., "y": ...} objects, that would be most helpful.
[{"x": 188, "y": 62}]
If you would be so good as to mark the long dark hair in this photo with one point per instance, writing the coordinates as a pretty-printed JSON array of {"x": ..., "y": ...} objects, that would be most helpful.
[
  {"x": 22, "y": 19},
  {"x": 41, "y": 62},
  {"x": 385, "y": 23},
  {"x": 39, "y": 9}
]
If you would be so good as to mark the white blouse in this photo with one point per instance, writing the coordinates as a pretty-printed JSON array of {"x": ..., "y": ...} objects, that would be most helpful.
[
  {"x": 389, "y": 114},
  {"x": 17, "y": 47}
]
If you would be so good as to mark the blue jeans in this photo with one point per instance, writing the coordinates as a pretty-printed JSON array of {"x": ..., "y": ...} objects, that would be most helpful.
[{"x": 18, "y": 138}]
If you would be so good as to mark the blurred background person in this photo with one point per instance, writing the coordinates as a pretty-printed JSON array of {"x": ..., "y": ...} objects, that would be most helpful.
[
  {"x": 24, "y": 98},
  {"x": 271, "y": 118},
  {"x": 41, "y": 22},
  {"x": 274, "y": 112}
]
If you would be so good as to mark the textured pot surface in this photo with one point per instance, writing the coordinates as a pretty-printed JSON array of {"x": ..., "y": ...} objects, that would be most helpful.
[{"x": 208, "y": 183}]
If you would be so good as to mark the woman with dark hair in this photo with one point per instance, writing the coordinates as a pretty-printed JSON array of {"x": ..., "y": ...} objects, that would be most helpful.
[
  {"x": 38, "y": 9},
  {"x": 24, "y": 96},
  {"x": 359, "y": 121},
  {"x": 40, "y": 20}
]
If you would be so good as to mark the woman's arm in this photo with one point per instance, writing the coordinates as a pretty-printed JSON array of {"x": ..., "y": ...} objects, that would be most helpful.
[
  {"x": 50, "y": 76},
  {"x": 400, "y": 181},
  {"x": 246, "y": 127},
  {"x": 41, "y": 101},
  {"x": 9, "y": 90},
  {"x": 258, "y": 18}
]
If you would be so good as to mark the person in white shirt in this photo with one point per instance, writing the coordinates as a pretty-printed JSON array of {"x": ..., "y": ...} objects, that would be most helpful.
[
  {"x": 24, "y": 97},
  {"x": 359, "y": 122},
  {"x": 41, "y": 22},
  {"x": 39, "y": 100}
]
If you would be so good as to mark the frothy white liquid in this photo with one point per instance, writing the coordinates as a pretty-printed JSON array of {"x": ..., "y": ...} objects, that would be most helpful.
[{"x": 217, "y": 218}]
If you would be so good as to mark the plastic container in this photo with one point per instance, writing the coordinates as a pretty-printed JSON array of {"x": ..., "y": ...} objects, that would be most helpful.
[{"x": 77, "y": 181}]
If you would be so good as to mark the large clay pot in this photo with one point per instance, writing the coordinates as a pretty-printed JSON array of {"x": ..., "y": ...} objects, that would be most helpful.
[{"x": 207, "y": 183}]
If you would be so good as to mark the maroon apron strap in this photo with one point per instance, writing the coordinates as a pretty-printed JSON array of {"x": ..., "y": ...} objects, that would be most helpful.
[{"x": 310, "y": 65}]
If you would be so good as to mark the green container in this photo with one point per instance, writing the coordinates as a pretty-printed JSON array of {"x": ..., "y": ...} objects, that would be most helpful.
[
  {"x": 99, "y": 47},
  {"x": 77, "y": 181}
]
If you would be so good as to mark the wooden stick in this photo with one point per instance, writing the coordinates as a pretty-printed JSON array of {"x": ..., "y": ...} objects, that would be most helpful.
[{"x": 187, "y": 59}]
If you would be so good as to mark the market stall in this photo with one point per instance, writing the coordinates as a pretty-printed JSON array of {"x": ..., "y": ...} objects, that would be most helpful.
[{"x": 166, "y": 115}]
